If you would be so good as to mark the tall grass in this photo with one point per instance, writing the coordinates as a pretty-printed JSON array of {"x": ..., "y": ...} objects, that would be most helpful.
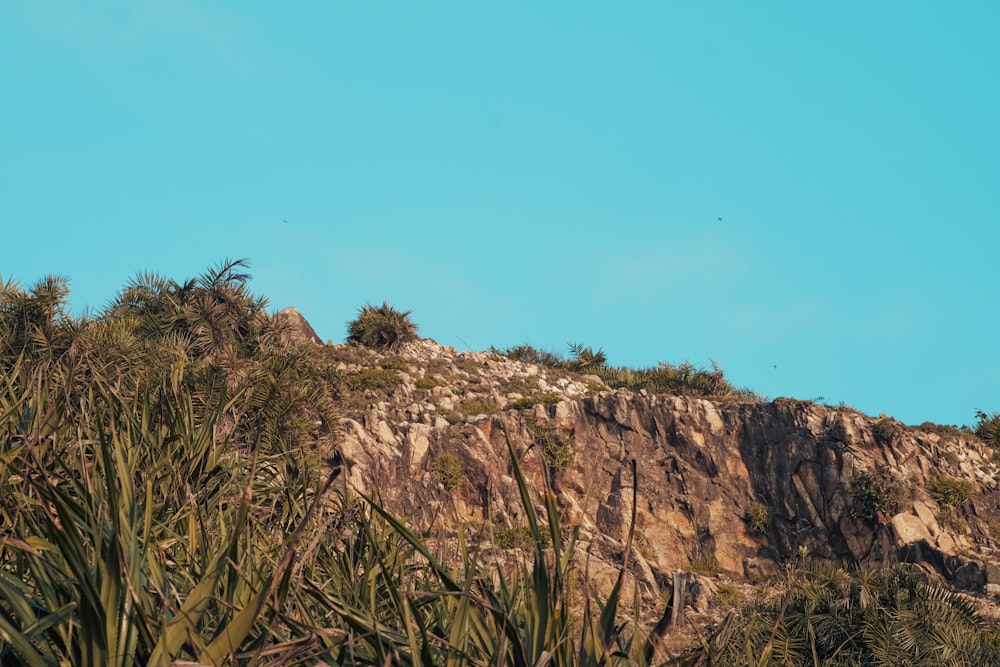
[
  {"x": 157, "y": 506},
  {"x": 132, "y": 536}
]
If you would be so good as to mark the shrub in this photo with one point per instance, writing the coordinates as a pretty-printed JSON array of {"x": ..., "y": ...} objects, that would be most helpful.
[
  {"x": 585, "y": 360},
  {"x": 758, "y": 517},
  {"x": 371, "y": 378},
  {"x": 874, "y": 493},
  {"x": 451, "y": 416},
  {"x": 449, "y": 471},
  {"x": 520, "y": 537},
  {"x": 988, "y": 428},
  {"x": 994, "y": 530},
  {"x": 886, "y": 430},
  {"x": 425, "y": 383},
  {"x": 556, "y": 450},
  {"x": 729, "y": 595},
  {"x": 684, "y": 379},
  {"x": 381, "y": 328},
  {"x": 529, "y": 355},
  {"x": 522, "y": 403},
  {"x": 707, "y": 565},
  {"x": 478, "y": 406},
  {"x": 953, "y": 492}
]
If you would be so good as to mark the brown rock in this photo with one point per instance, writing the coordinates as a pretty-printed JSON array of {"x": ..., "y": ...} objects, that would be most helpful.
[{"x": 295, "y": 327}]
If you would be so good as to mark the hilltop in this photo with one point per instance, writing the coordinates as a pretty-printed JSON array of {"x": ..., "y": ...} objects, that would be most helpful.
[{"x": 238, "y": 463}]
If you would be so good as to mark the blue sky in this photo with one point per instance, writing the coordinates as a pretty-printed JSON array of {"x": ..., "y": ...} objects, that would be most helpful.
[{"x": 539, "y": 172}]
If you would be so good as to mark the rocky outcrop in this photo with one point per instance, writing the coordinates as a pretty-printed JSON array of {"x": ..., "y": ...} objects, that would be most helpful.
[
  {"x": 295, "y": 327},
  {"x": 816, "y": 481}
]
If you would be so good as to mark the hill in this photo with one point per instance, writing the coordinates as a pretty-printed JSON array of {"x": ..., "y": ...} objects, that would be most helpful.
[{"x": 187, "y": 477}]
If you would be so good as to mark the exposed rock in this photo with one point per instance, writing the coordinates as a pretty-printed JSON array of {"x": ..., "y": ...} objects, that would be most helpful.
[
  {"x": 700, "y": 465},
  {"x": 296, "y": 327}
]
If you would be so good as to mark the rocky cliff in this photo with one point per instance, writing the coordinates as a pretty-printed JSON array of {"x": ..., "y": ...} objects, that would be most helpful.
[{"x": 733, "y": 489}]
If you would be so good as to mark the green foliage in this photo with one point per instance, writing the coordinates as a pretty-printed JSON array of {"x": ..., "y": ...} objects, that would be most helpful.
[
  {"x": 371, "y": 379},
  {"x": 426, "y": 383},
  {"x": 160, "y": 504},
  {"x": 547, "y": 398},
  {"x": 994, "y": 530},
  {"x": 478, "y": 406},
  {"x": 381, "y": 328},
  {"x": 529, "y": 355},
  {"x": 683, "y": 379},
  {"x": 952, "y": 491},
  {"x": 585, "y": 359},
  {"x": 556, "y": 450},
  {"x": 708, "y": 565},
  {"x": 758, "y": 517},
  {"x": 874, "y": 494},
  {"x": 832, "y": 615},
  {"x": 520, "y": 537},
  {"x": 988, "y": 428},
  {"x": 448, "y": 470},
  {"x": 137, "y": 536},
  {"x": 887, "y": 430},
  {"x": 729, "y": 595},
  {"x": 452, "y": 417}
]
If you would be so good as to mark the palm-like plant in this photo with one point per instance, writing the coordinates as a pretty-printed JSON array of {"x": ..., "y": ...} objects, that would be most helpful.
[
  {"x": 585, "y": 359},
  {"x": 832, "y": 615},
  {"x": 381, "y": 328},
  {"x": 988, "y": 428}
]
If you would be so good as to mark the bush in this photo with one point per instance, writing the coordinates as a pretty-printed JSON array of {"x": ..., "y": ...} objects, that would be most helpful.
[
  {"x": 381, "y": 328},
  {"x": 707, "y": 565},
  {"x": 452, "y": 417},
  {"x": 953, "y": 492},
  {"x": 556, "y": 450},
  {"x": 449, "y": 471},
  {"x": 530, "y": 355},
  {"x": 874, "y": 493},
  {"x": 729, "y": 595},
  {"x": 886, "y": 430},
  {"x": 684, "y": 379},
  {"x": 994, "y": 530},
  {"x": 758, "y": 517},
  {"x": 426, "y": 383},
  {"x": 528, "y": 401},
  {"x": 478, "y": 406},
  {"x": 520, "y": 537},
  {"x": 988, "y": 428},
  {"x": 585, "y": 360},
  {"x": 371, "y": 378}
]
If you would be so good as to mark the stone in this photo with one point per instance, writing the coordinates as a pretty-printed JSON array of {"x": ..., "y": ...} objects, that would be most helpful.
[
  {"x": 909, "y": 529},
  {"x": 700, "y": 463},
  {"x": 295, "y": 327}
]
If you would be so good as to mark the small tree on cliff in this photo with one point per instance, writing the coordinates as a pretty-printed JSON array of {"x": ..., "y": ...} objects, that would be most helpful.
[{"x": 381, "y": 328}]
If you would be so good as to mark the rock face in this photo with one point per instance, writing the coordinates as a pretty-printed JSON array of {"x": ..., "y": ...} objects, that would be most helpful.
[
  {"x": 829, "y": 482},
  {"x": 296, "y": 327}
]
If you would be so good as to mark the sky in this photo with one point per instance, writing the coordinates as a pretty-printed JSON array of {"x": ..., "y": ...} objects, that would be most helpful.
[{"x": 805, "y": 193}]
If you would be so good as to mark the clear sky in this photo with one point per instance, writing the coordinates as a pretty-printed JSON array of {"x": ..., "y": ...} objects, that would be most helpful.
[{"x": 804, "y": 192}]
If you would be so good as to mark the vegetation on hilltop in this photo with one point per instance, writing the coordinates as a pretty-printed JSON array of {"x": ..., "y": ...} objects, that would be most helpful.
[
  {"x": 684, "y": 379},
  {"x": 381, "y": 328},
  {"x": 157, "y": 504}
]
